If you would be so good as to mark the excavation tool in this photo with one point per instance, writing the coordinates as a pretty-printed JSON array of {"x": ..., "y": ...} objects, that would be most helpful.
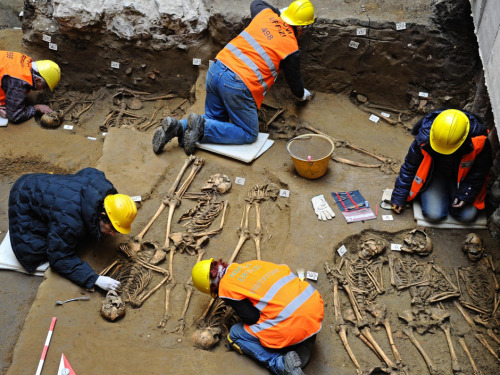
[{"x": 86, "y": 298}]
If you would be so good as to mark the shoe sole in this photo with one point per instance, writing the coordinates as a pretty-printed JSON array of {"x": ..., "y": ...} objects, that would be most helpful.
[{"x": 159, "y": 140}]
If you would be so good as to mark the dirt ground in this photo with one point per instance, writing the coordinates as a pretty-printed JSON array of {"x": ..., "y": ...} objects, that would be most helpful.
[{"x": 292, "y": 235}]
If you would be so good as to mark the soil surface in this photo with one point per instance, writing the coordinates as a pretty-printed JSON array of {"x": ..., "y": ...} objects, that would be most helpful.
[{"x": 292, "y": 234}]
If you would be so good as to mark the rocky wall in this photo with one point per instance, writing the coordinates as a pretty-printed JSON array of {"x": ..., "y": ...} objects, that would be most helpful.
[{"x": 155, "y": 43}]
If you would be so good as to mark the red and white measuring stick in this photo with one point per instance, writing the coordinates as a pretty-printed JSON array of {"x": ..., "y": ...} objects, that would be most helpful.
[{"x": 46, "y": 347}]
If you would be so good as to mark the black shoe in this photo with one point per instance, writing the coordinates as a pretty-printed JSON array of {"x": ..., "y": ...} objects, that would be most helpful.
[
  {"x": 170, "y": 128},
  {"x": 292, "y": 364},
  {"x": 194, "y": 132}
]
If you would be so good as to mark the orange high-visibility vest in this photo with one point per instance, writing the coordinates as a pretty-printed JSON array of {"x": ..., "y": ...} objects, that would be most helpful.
[
  {"x": 464, "y": 167},
  {"x": 256, "y": 53},
  {"x": 291, "y": 310},
  {"x": 16, "y": 65}
]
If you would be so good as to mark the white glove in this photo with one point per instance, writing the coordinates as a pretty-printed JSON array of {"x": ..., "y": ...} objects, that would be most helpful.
[
  {"x": 307, "y": 95},
  {"x": 321, "y": 208},
  {"x": 107, "y": 283}
]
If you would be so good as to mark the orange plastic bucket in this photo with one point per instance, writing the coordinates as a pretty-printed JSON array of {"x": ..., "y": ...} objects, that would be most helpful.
[{"x": 310, "y": 154}]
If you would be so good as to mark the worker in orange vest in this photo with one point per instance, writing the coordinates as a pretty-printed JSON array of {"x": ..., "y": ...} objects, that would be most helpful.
[
  {"x": 19, "y": 74},
  {"x": 281, "y": 314},
  {"x": 240, "y": 77},
  {"x": 447, "y": 166}
]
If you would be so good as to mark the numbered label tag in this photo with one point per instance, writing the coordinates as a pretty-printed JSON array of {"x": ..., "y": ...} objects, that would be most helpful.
[
  {"x": 196, "y": 61},
  {"x": 353, "y": 44},
  {"x": 361, "y": 31},
  {"x": 115, "y": 64},
  {"x": 53, "y": 46},
  {"x": 136, "y": 198},
  {"x": 312, "y": 275},
  {"x": 387, "y": 217},
  {"x": 385, "y": 114},
  {"x": 239, "y": 181},
  {"x": 284, "y": 193},
  {"x": 374, "y": 118},
  {"x": 342, "y": 250},
  {"x": 396, "y": 246},
  {"x": 68, "y": 127},
  {"x": 47, "y": 38},
  {"x": 104, "y": 134},
  {"x": 400, "y": 25},
  {"x": 423, "y": 94},
  {"x": 92, "y": 138}
]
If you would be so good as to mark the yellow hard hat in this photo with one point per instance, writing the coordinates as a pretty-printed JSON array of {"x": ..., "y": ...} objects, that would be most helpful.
[
  {"x": 448, "y": 131},
  {"x": 50, "y": 72},
  {"x": 201, "y": 275},
  {"x": 298, "y": 13},
  {"x": 121, "y": 211}
]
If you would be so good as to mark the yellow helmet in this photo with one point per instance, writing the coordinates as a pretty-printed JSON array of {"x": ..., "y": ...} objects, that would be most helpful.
[
  {"x": 448, "y": 131},
  {"x": 50, "y": 72},
  {"x": 201, "y": 275},
  {"x": 298, "y": 13},
  {"x": 121, "y": 211}
]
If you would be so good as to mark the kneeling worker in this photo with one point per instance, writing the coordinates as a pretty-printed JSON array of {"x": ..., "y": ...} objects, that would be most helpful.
[
  {"x": 447, "y": 167},
  {"x": 19, "y": 74},
  {"x": 281, "y": 314},
  {"x": 49, "y": 214},
  {"x": 242, "y": 74}
]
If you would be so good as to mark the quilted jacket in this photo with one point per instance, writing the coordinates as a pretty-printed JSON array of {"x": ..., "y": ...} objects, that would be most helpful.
[
  {"x": 470, "y": 186},
  {"x": 48, "y": 216}
]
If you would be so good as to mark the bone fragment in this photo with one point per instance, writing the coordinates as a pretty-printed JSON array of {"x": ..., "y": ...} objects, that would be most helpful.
[{"x": 461, "y": 340}]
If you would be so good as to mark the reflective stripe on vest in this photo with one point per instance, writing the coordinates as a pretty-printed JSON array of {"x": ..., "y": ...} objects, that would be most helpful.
[
  {"x": 286, "y": 312},
  {"x": 291, "y": 310},
  {"x": 464, "y": 167},
  {"x": 256, "y": 53},
  {"x": 17, "y": 65}
]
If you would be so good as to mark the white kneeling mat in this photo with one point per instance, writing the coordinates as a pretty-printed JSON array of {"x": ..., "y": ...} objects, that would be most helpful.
[
  {"x": 4, "y": 121},
  {"x": 8, "y": 260},
  {"x": 245, "y": 153},
  {"x": 450, "y": 223}
]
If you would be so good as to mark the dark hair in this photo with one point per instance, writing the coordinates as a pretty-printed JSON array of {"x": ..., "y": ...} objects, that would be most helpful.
[{"x": 214, "y": 270}]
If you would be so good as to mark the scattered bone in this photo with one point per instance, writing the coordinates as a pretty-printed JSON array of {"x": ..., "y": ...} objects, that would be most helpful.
[
  {"x": 112, "y": 307},
  {"x": 461, "y": 340}
]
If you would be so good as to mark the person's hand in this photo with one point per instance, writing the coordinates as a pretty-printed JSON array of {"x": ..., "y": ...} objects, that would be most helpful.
[
  {"x": 321, "y": 208},
  {"x": 107, "y": 283},
  {"x": 307, "y": 95},
  {"x": 397, "y": 208},
  {"x": 3, "y": 114},
  {"x": 457, "y": 203},
  {"x": 42, "y": 108}
]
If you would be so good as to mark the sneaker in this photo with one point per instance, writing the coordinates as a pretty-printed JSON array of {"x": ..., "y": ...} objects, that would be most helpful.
[
  {"x": 170, "y": 128},
  {"x": 292, "y": 364},
  {"x": 194, "y": 132}
]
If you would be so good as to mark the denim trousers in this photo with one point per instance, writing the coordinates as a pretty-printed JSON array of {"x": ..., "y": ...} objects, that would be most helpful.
[
  {"x": 230, "y": 110},
  {"x": 438, "y": 197},
  {"x": 272, "y": 359}
]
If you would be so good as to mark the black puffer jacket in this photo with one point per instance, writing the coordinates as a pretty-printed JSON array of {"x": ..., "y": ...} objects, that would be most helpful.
[
  {"x": 49, "y": 214},
  {"x": 470, "y": 186}
]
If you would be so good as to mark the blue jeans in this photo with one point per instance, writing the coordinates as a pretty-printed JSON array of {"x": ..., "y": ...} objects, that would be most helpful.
[
  {"x": 438, "y": 197},
  {"x": 230, "y": 109},
  {"x": 272, "y": 359}
]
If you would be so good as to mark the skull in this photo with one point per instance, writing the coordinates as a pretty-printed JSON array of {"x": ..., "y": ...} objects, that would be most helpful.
[
  {"x": 370, "y": 247},
  {"x": 112, "y": 307},
  {"x": 473, "y": 247},
  {"x": 52, "y": 120},
  {"x": 206, "y": 338},
  {"x": 418, "y": 242},
  {"x": 218, "y": 182}
]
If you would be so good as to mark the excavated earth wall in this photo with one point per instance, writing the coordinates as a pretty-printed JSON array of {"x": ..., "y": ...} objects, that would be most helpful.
[{"x": 155, "y": 43}]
